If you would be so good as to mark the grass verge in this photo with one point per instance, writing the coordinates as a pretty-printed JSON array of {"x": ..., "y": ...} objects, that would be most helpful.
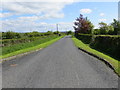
[
  {"x": 20, "y": 46},
  {"x": 43, "y": 45},
  {"x": 115, "y": 63}
]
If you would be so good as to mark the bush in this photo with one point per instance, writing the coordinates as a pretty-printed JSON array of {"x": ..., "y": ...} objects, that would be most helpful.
[
  {"x": 86, "y": 38},
  {"x": 16, "y": 47},
  {"x": 10, "y": 35},
  {"x": 9, "y": 42},
  {"x": 69, "y": 32},
  {"x": 96, "y": 31},
  {"x": 107, "y": 43}
]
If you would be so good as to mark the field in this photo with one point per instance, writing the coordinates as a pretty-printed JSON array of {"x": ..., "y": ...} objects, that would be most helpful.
[{"x": 29, "y": 42}]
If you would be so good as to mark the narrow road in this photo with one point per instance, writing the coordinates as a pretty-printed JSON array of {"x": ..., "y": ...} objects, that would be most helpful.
[{"x": 61, "y": 65}]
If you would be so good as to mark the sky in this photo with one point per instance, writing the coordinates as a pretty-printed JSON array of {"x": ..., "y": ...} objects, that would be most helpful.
[{"x": 43, "y": 16}]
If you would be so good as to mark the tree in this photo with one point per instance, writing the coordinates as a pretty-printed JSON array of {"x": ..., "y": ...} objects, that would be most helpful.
[
  {"x": 83, "y": 25},
  {"x": 103, "y": 28},
  {"x": 48, "y": 33},
  {"x": 96, "y": 31},
  {"x": 69, "y": 32},
  {"x": 110, "y": 30},
  {"x": 56, "y": 32},
  {"x": 9, "y": 35},
  {"x": 116, "y": 25}
]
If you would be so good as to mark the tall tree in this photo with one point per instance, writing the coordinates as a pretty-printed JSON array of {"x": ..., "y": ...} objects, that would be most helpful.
[
  {"x": 83, "y": 25},
  {"x": 106, "y": 29},
  {"x": 103, "y": 28},
  {"x": 116, "y": 25}
]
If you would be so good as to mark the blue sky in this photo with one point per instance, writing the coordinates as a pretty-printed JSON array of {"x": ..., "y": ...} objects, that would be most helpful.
[{"x": 43, "y": 16}]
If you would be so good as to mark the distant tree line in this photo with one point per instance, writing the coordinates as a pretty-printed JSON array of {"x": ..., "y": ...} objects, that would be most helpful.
[
  {"x": 84, "y": 26},
  {"x": 16, "y": 35}
]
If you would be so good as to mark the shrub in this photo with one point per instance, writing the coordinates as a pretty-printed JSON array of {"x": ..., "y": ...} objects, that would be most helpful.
[
  {"x": 16, "y": 47},
  {"x": 96, "y": 31},
  {"x": 9, "y": 42},
  {"x": 86, "y": 38},
  {"x": 108, "y": 44}
]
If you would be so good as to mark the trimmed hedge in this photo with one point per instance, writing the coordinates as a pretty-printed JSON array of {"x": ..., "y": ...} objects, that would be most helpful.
[
  {"x": 108, "y": 44},
  {"x": 86, "y": 38},
  {"x": 9, "y": 42},
  {"x": 20, "y": 46}
]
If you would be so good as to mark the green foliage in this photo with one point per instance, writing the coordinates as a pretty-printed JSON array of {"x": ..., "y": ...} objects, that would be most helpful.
[
  {"x": 107, "y": 44},
  {"x": 14, "y": 35},
  {"x": 10, "y": 38},
  {"x": 69, "y": 32},
  {"x": 96, "y": 31},
  {"x": 112, "y": 61},
  {"x": 9, "y": 42},
  {"x": 103, "y": 28},
  {"x": 56, "y": 32},
  {"x": 116, "y": 25},
  {"x": 48, "y": 33},
  {"x": 110, "y": 30},
  {"x": 43, "y": 45},
  {"x": 33, "y": 34},
  {"x": 83, "y": 25},
  {"x": 0, "y": 35},
  {"x": 16, "y": 47},
  {"x": 86, "y": 38},
  {"x": 10, "y": 35}
]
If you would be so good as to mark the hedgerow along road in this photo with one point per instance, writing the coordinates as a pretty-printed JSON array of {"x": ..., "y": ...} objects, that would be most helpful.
[{"x": 61, "y": 65}]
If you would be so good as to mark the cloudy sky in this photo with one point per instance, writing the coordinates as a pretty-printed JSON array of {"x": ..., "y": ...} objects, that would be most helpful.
[{"x": 43, "y": 16}]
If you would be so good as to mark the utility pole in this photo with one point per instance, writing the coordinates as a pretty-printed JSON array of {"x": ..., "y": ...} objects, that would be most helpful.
[{"x": 57, "y": 28}]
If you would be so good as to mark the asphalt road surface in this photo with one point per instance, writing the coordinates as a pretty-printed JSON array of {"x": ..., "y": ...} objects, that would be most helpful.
[{"x": 61, "y": 65}]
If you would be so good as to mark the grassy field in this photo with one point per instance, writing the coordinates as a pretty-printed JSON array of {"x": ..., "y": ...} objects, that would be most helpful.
[
  {"x": 19, "y": 46},
  {"x": 22, "y": 48},
  {"x": 109, "y": 59}
]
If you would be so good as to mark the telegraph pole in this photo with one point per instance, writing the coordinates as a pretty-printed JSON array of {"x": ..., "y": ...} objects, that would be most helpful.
[{"x": 57, "y": 28}]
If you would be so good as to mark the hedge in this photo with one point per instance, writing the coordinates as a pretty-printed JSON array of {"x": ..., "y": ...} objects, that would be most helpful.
[
  {"x": 20, "y": 46},
  {"x": 108, "y": 44},
  {"x": 9, "y": 42},
  {"x": 86, "y": 38}
]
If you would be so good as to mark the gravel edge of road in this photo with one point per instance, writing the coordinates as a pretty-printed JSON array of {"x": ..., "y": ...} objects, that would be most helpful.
[{"x": 19, "y": 55}]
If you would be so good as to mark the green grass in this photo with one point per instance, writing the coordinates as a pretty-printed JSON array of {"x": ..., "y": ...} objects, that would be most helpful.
[
  {"x": 19, "y": 46},
  {"x": 109, "y": 59},
  {"x": 38, "y": 46}
]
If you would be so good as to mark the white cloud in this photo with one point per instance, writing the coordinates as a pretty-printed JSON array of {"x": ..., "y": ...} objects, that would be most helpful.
[
  {"x": 36, "y": 11},
  {"x": 23, "y": 25},
  {"x": 42, "y": 9},
  {"x": 2, "y": 15},
  {"x": 29, "y": 18},
  {"x": 40, "y": 0},
  {"x": 102, "y": 14},
  {"x": 85, "y": 11},
  {"x": 102, "y": 20},
  {"x": 60, "y": 0}
]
